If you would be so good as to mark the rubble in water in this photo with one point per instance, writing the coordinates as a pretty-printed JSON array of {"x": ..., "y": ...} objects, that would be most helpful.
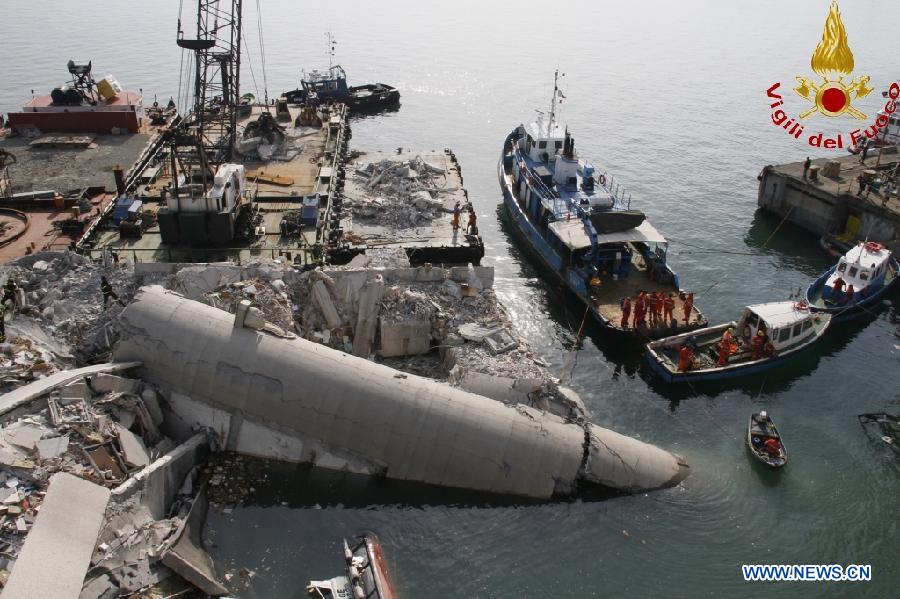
[{"x": 102, "y": 428}]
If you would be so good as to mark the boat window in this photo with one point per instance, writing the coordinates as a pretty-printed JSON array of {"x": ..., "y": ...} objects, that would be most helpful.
[
  {"x": 807, "y": 324},
  {"x": 864, "y": 275},
  {"x": 797, "y": 328},
  {"x": 542, "y": 144},
  {"x": 842, "y": 266},
  {"x": 559, "y": 145},
  {"x": 752, "y": 320},
  {"x": 784, "y": 335},
  {"x": 852, "y": 271}
]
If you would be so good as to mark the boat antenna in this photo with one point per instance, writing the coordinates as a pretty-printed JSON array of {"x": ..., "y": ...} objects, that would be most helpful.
[
  {"x": 553, "y": 102},
  {"x": 331, "y": 43}
]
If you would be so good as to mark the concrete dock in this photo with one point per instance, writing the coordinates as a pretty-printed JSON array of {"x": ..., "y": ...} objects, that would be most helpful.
[{"x": 823, "y": 206}]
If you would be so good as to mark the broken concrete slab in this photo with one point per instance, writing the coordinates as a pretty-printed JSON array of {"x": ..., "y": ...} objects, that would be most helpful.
[
  {"x": 500, "y": 341},
  {"x": 61, "y": 541},
  {"x": 52, "y": 447},
  {"x": 323, "y": 300},
  {"x": 408, "y": 338},
  {"x": 188, "y": 559},
  {"x": 109, "y": 383},
  {"x": 24, "y": 394},
  {"x": 133, "y": 450},
  {"x": 24, "y": 435},
  {"x": 159, "y": 482}
]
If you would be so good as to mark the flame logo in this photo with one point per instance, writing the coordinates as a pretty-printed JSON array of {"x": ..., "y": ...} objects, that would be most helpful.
[
  {"x": 832, "y": 60},
  {"x": 833, "y": 55}
]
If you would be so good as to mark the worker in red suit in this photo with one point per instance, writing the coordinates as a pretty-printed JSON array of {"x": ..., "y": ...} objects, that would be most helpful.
[{"x": 625, "y": 304}]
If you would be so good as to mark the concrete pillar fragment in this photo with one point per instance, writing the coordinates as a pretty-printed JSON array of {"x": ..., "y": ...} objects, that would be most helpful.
[
  {"x": 326, "y": 305},
  {"x": 369, "y": 306}
]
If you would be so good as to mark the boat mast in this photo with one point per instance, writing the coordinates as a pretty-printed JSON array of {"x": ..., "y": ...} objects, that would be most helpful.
[
  {"x": 331, "y": 43},
  {"x": 553, "y": 102}
]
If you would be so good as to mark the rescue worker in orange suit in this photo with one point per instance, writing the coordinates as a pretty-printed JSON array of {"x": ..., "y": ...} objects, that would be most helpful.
[
  {"x": 456, "y": 213},
  {"x": 773, "y": 447},
  {"x": 688, "y": 306},
  {"x": 625, "y": 304},
  {"x": 640, "y": 309},
  {"x": 769, "y": 349},
  {"x": 849, "y": 298},
  {"x": 757, "y": 344},
  {"x": 685, "y": 358},
  {"x": 669, "y": 308},
  {"x": 724, "y": 352},
  {"x": 653, "y": 300},
  {"x": 470, "y": 227}
]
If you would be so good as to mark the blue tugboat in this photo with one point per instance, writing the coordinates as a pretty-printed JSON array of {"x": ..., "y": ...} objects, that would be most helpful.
[
  {"x": 581, "y": 227},
  {"x": 856, "y": 284}
]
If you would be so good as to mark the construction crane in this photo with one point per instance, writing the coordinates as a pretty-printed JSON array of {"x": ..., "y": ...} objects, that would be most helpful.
[{"x": 205, "y": 139}]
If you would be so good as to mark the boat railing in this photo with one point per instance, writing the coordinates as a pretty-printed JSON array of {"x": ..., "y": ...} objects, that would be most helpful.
[
  {"x": 616, "y": 192},
  {"x": 536, "y": 181}
]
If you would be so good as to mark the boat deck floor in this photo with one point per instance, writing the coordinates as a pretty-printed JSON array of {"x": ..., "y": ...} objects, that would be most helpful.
[{"x": 609, "y": 294}]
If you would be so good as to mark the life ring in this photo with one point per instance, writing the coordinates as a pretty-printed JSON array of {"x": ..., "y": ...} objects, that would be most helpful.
[
  {"x": 602, "y": 179},
  {"x": 873, "y": 247}
]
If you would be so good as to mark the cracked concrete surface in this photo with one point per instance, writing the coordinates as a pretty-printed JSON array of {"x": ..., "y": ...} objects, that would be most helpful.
[{"x": 420, "y": 429}]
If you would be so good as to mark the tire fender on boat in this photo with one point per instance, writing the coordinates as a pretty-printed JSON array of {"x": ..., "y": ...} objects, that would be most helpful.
[{"x": 602, "y": 179}]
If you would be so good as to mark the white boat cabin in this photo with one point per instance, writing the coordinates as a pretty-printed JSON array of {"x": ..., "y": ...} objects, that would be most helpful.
[
  {"x": 862, "y": 266},
  {"x": 786, "y": 323}
]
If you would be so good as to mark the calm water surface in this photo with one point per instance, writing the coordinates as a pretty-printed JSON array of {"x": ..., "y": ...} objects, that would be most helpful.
[{"x": 671, "y": 98}]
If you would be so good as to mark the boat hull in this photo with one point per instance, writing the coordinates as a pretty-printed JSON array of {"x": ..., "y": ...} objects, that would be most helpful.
[
  {"x": 361, "y": 98},
  {"x": 860, "y": 307}
]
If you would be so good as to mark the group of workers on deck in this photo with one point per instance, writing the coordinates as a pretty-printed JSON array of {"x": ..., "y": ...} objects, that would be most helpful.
[
  {"x": 656, "y": 306},
  {"x": 760, "y": 346}
]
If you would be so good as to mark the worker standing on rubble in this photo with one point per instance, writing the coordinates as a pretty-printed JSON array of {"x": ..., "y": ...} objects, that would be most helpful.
[
  {"x": 9, "y": 292},
  {"x": 456, "y": 213},
  {"x": 108, "y": 292},
  {"x": 471, "y": 228}
]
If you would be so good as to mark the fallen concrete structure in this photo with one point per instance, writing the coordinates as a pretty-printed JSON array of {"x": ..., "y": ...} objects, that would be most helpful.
[
  {"x": 403, "y": 426},
  {"x": 57, "y": 553}
]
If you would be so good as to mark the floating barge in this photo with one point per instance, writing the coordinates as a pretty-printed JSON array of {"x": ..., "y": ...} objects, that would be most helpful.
[
  {"x": 277, "y": 192},
  {"x": 428, "y": 240}
]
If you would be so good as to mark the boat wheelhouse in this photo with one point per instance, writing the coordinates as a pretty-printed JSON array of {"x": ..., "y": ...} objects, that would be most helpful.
[
  {"x": 765, "y": 335},
  {"x": 857, "y": 283},
  {"x": 580, "y": 224}
]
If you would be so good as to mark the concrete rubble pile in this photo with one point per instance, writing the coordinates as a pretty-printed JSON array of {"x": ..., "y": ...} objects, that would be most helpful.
[
  {"x": 60, "y": 319},
  {"x": 400, "y": 194},
  {"x": 102, "y": 428},
  {"x": 451, "y": 315}
]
